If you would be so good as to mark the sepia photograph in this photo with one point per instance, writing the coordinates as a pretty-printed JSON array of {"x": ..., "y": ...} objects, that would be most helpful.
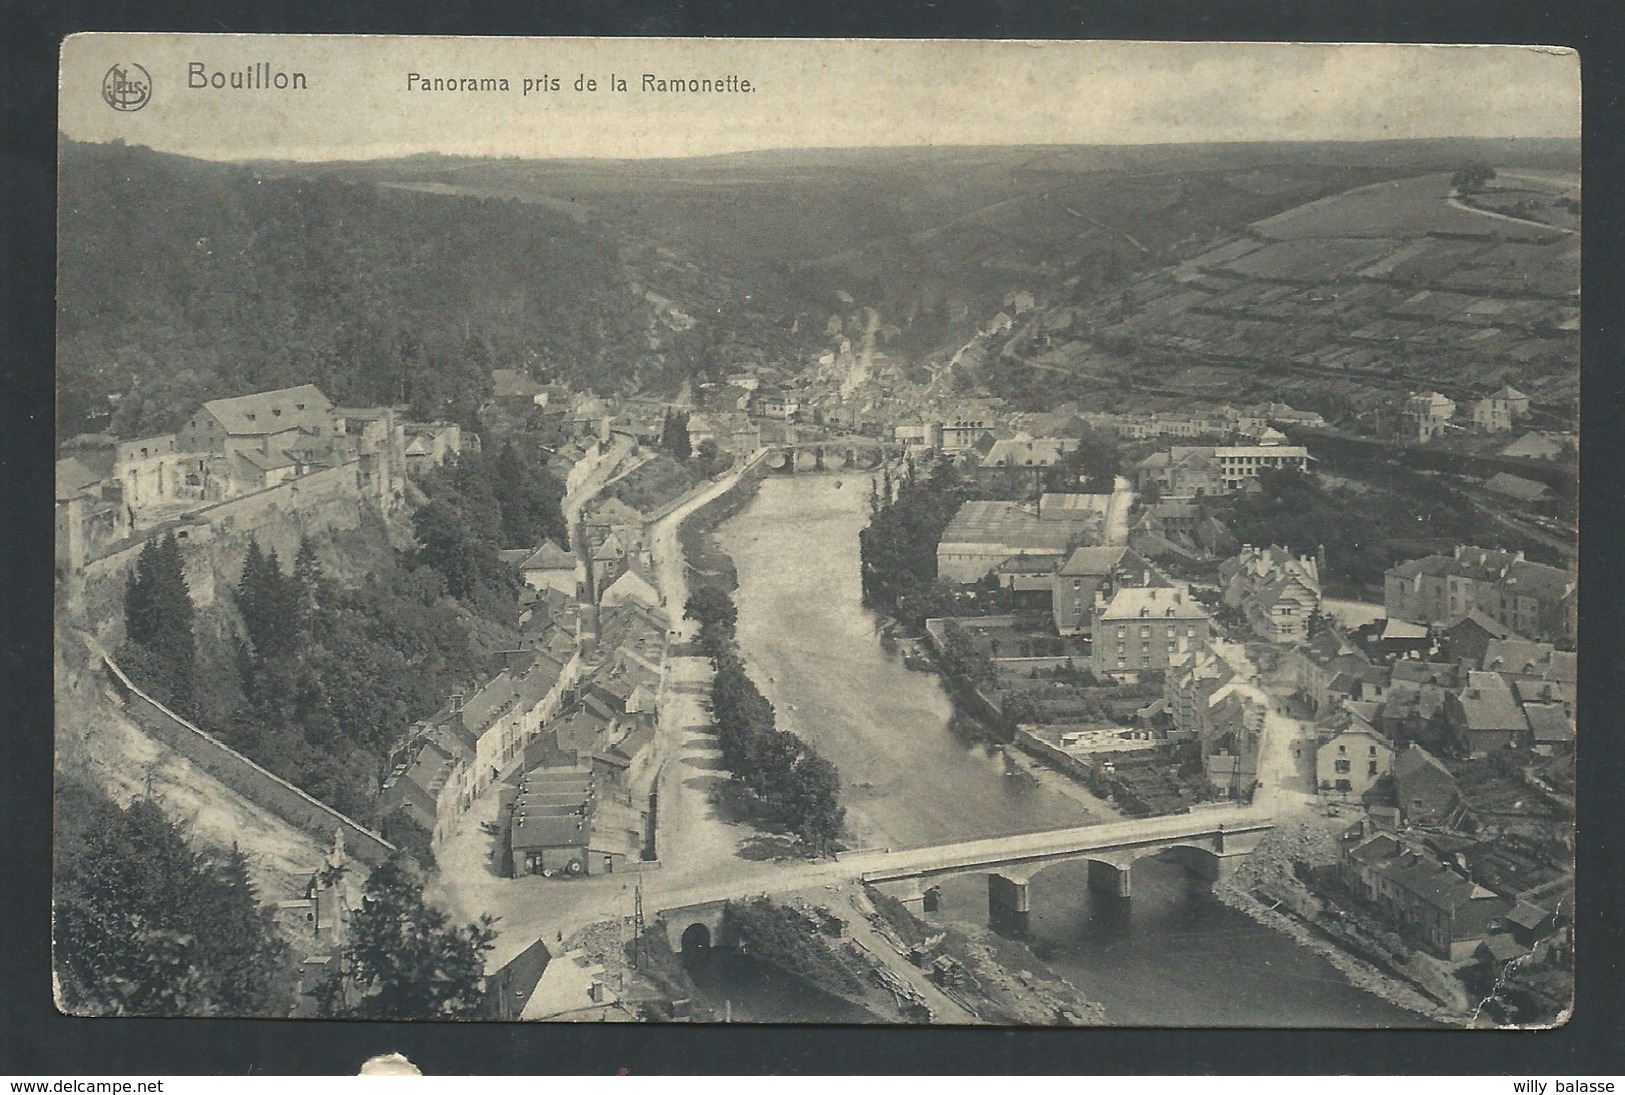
[{"x": 823, "y": 531}]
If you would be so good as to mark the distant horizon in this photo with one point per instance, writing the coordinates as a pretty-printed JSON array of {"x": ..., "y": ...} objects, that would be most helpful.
[{"x": 424, "y": 154}]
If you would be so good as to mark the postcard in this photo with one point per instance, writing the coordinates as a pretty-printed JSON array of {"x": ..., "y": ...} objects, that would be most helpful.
[{"x": 1026, "y": 533}]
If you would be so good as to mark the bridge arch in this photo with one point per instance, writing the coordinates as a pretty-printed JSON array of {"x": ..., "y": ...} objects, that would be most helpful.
[
  {"x": 693, "y": 928},
  {"x": 830, "y": 454},
  {"x": 1201, "y": 843}
]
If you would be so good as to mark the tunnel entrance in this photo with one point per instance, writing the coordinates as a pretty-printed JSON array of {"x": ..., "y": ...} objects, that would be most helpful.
[{"x": 696, "y": 937}]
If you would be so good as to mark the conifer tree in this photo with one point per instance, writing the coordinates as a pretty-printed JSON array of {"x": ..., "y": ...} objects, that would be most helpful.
[
  {"x": 158, "y": 619},
  {"x": 308, "y": 582},
  {"x": 268, "y": 603}
]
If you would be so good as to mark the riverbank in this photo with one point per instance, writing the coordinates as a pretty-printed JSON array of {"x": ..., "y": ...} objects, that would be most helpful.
[
  {"x": 996, "y": 979},
  {"x": 707, "y": 563},
  {"x": 1267, "y": 889}
]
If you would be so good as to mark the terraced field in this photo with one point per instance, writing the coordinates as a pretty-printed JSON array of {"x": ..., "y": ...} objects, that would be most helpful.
[{"x": 1389, "y": 285}]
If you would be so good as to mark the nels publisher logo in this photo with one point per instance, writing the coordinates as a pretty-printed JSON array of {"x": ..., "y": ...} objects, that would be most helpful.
[{"x": 126, "y": 87}]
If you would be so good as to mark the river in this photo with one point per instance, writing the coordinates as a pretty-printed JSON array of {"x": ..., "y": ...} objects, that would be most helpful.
[{"x": 1171, "y": 955}]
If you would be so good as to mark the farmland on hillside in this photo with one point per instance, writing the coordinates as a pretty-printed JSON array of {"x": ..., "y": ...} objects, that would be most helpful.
[
  {"x": 1393, "y": 209},
  {"x": 1346, "y": 299}
]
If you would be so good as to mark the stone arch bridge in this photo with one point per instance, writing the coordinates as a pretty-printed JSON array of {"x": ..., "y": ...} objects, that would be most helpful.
[
  {"x": 1208, "y": 842},
  {"x": 832, "y": 454}
]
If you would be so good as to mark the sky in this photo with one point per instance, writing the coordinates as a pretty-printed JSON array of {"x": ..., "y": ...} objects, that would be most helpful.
[{"x": 805, "y": 94}]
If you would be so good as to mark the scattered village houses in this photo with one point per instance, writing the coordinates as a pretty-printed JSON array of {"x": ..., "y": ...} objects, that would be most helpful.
[
  {"x": 1425, "y": 415},
  {"x": 1331, "y": 668},
  {"x": 1207, "y": 702},
  {"x": 1440, "y": 907},
  {"x": 430, "y": 445},
  {"x": 452, "y": 756},
  {"x": 1180, "y": 530},
  {"x": 1090, "y": 572},
  {"x": 1414, "y": 705}
]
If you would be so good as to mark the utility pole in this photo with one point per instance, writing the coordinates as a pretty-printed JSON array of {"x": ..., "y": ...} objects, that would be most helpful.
[{"x": 637, "y": 925}]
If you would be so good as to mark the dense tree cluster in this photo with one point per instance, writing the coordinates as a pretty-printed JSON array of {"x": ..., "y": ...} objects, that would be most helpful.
[
  {"x": 785, "y": 776},
  {"x": 405, "y": 959},
  {"x": 674, "y": 434},
  {"x": 332, "y": 677},
  {"x": 1472, "y": 176},
  {"x": 1091, "y": 468},
  {"x": 961, "y": 657},
  {"x": 148, "y": 924},
  {"x": 160, "y": 649},
  {"x": 710, "y": 461},
  {"x": 795, "y": 942},
  {"x": 712, "y": 608},
  {"x": 899, "y": 548},
  {"x": 486, "y": 502},
  {"x": 1364, "y": 532},
  {"x": 327, "y": 677}
]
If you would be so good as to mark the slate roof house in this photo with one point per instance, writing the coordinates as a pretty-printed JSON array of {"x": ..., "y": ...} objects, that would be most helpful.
[
  {"x": 1485, "y": 715},
  {"x": 550, "y": 823},
  {"x": 1194, "y": 471},
  {"x": 984, "y": 534},
  {"x": 1530, "y": 598},
  {"x": 1145, "y": 629},
  {"x": 1536, "y": 445},
  {"x": 1442, "y": 909},
  {"x": 550, "y": 567},
  {"x": 1426, "y": 791},
  {"x": 1352, "y": 759},
  {"x": 1499, "y": 411},
  {"x": 1092, "y": 571},
  {"x": 1278, "y": 592},
  {"x": 262, "y": 422},
  {"x": 1517, "y": 488}
]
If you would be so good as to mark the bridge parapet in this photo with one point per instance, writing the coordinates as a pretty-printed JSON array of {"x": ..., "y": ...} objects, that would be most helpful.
[{"x": 1116, "y": 846}]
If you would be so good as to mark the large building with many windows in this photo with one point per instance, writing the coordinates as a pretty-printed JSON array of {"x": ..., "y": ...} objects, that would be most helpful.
[
  {"x": 1140, "y": 630},
  {"x": 1534, "y": 600},
  {"x": 1207, "y": 470}
]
